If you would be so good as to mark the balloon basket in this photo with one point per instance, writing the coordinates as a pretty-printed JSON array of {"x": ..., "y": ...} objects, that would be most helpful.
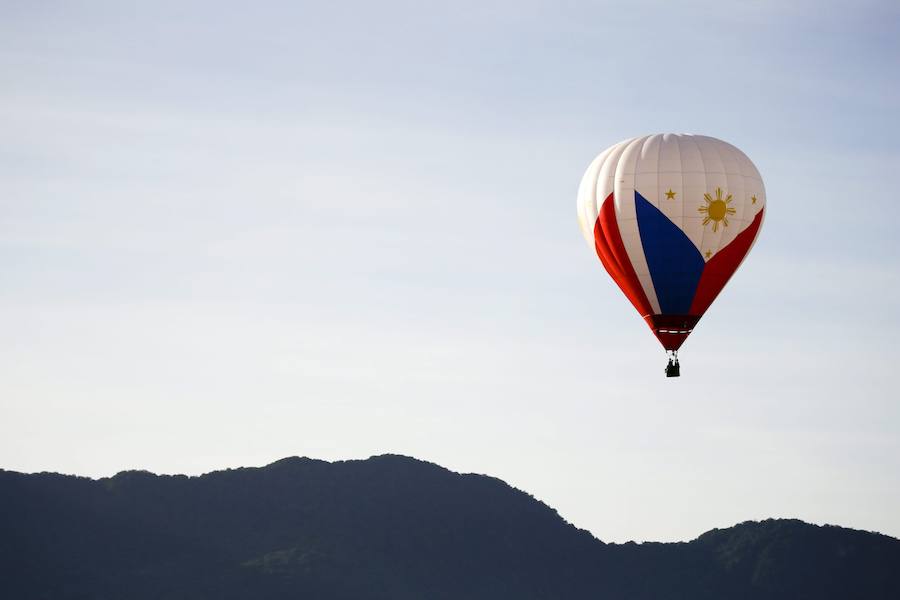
[{"x": 673, "y": 368}]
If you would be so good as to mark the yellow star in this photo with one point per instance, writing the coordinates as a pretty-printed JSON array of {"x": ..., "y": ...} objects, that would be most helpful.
[
  {"x": 708, "y": 254},
  {"x": 754, "y": 199},
  {"x": 670, "y": 195}
]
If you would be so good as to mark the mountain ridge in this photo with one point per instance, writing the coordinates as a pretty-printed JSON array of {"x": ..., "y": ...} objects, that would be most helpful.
[
  {"x": 289, "y": 460},
  {"x": 389, "y": 526}
]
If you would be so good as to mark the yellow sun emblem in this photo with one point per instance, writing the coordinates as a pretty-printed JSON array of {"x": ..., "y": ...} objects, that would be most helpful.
[{"x": 716, "y": 210}]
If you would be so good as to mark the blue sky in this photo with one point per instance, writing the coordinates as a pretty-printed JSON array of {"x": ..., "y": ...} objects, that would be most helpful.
[{"x": 229, "y": 235}]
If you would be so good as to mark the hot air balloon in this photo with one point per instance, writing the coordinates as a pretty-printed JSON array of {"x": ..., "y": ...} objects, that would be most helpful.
[{"x": 671, "y": 218}]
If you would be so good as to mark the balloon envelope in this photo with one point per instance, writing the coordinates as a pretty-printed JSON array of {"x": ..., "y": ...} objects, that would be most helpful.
[{"x": 671, "y": 217}]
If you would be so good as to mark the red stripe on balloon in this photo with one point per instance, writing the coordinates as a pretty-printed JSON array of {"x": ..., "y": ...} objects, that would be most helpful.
[
  {"x": 612, "y": 253},
  {"x": 722, "y": 266}
]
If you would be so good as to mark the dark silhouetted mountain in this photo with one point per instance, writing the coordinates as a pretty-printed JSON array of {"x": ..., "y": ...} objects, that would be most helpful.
[{"x": 389, "y": 527}]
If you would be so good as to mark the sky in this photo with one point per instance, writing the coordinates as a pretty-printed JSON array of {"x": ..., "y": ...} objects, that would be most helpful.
[{"x": 231, "y": 233}]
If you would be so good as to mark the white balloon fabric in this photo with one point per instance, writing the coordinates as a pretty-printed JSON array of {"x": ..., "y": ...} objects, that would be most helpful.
[{"x": 671, "y": 217}]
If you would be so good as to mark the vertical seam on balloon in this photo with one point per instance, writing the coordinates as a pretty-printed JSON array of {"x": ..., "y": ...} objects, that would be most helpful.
[
  {"x": 638, "y": 161},
  {"x": 728, "y": 150},
  {"x": 593, "y": 195},
  {"x": 650, "y": 275},
  {"x": 748, "y": 214},
  {"x": 705, "y": 187},
  {"x": 681, "y": 186},
  {"x": 658, "y": 170},
  {"x": 651, "y": 295},
  {"x": 591, "y": 205},
  {"x": 617, "y": 152},
  {"x": 597, "y": 183},
  {"x": 715, "y": 146},
  {"x": 616, "y": 175}
]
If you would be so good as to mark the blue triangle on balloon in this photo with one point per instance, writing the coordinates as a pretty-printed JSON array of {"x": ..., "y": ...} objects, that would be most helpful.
[{"x": 675, "y": 263}]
